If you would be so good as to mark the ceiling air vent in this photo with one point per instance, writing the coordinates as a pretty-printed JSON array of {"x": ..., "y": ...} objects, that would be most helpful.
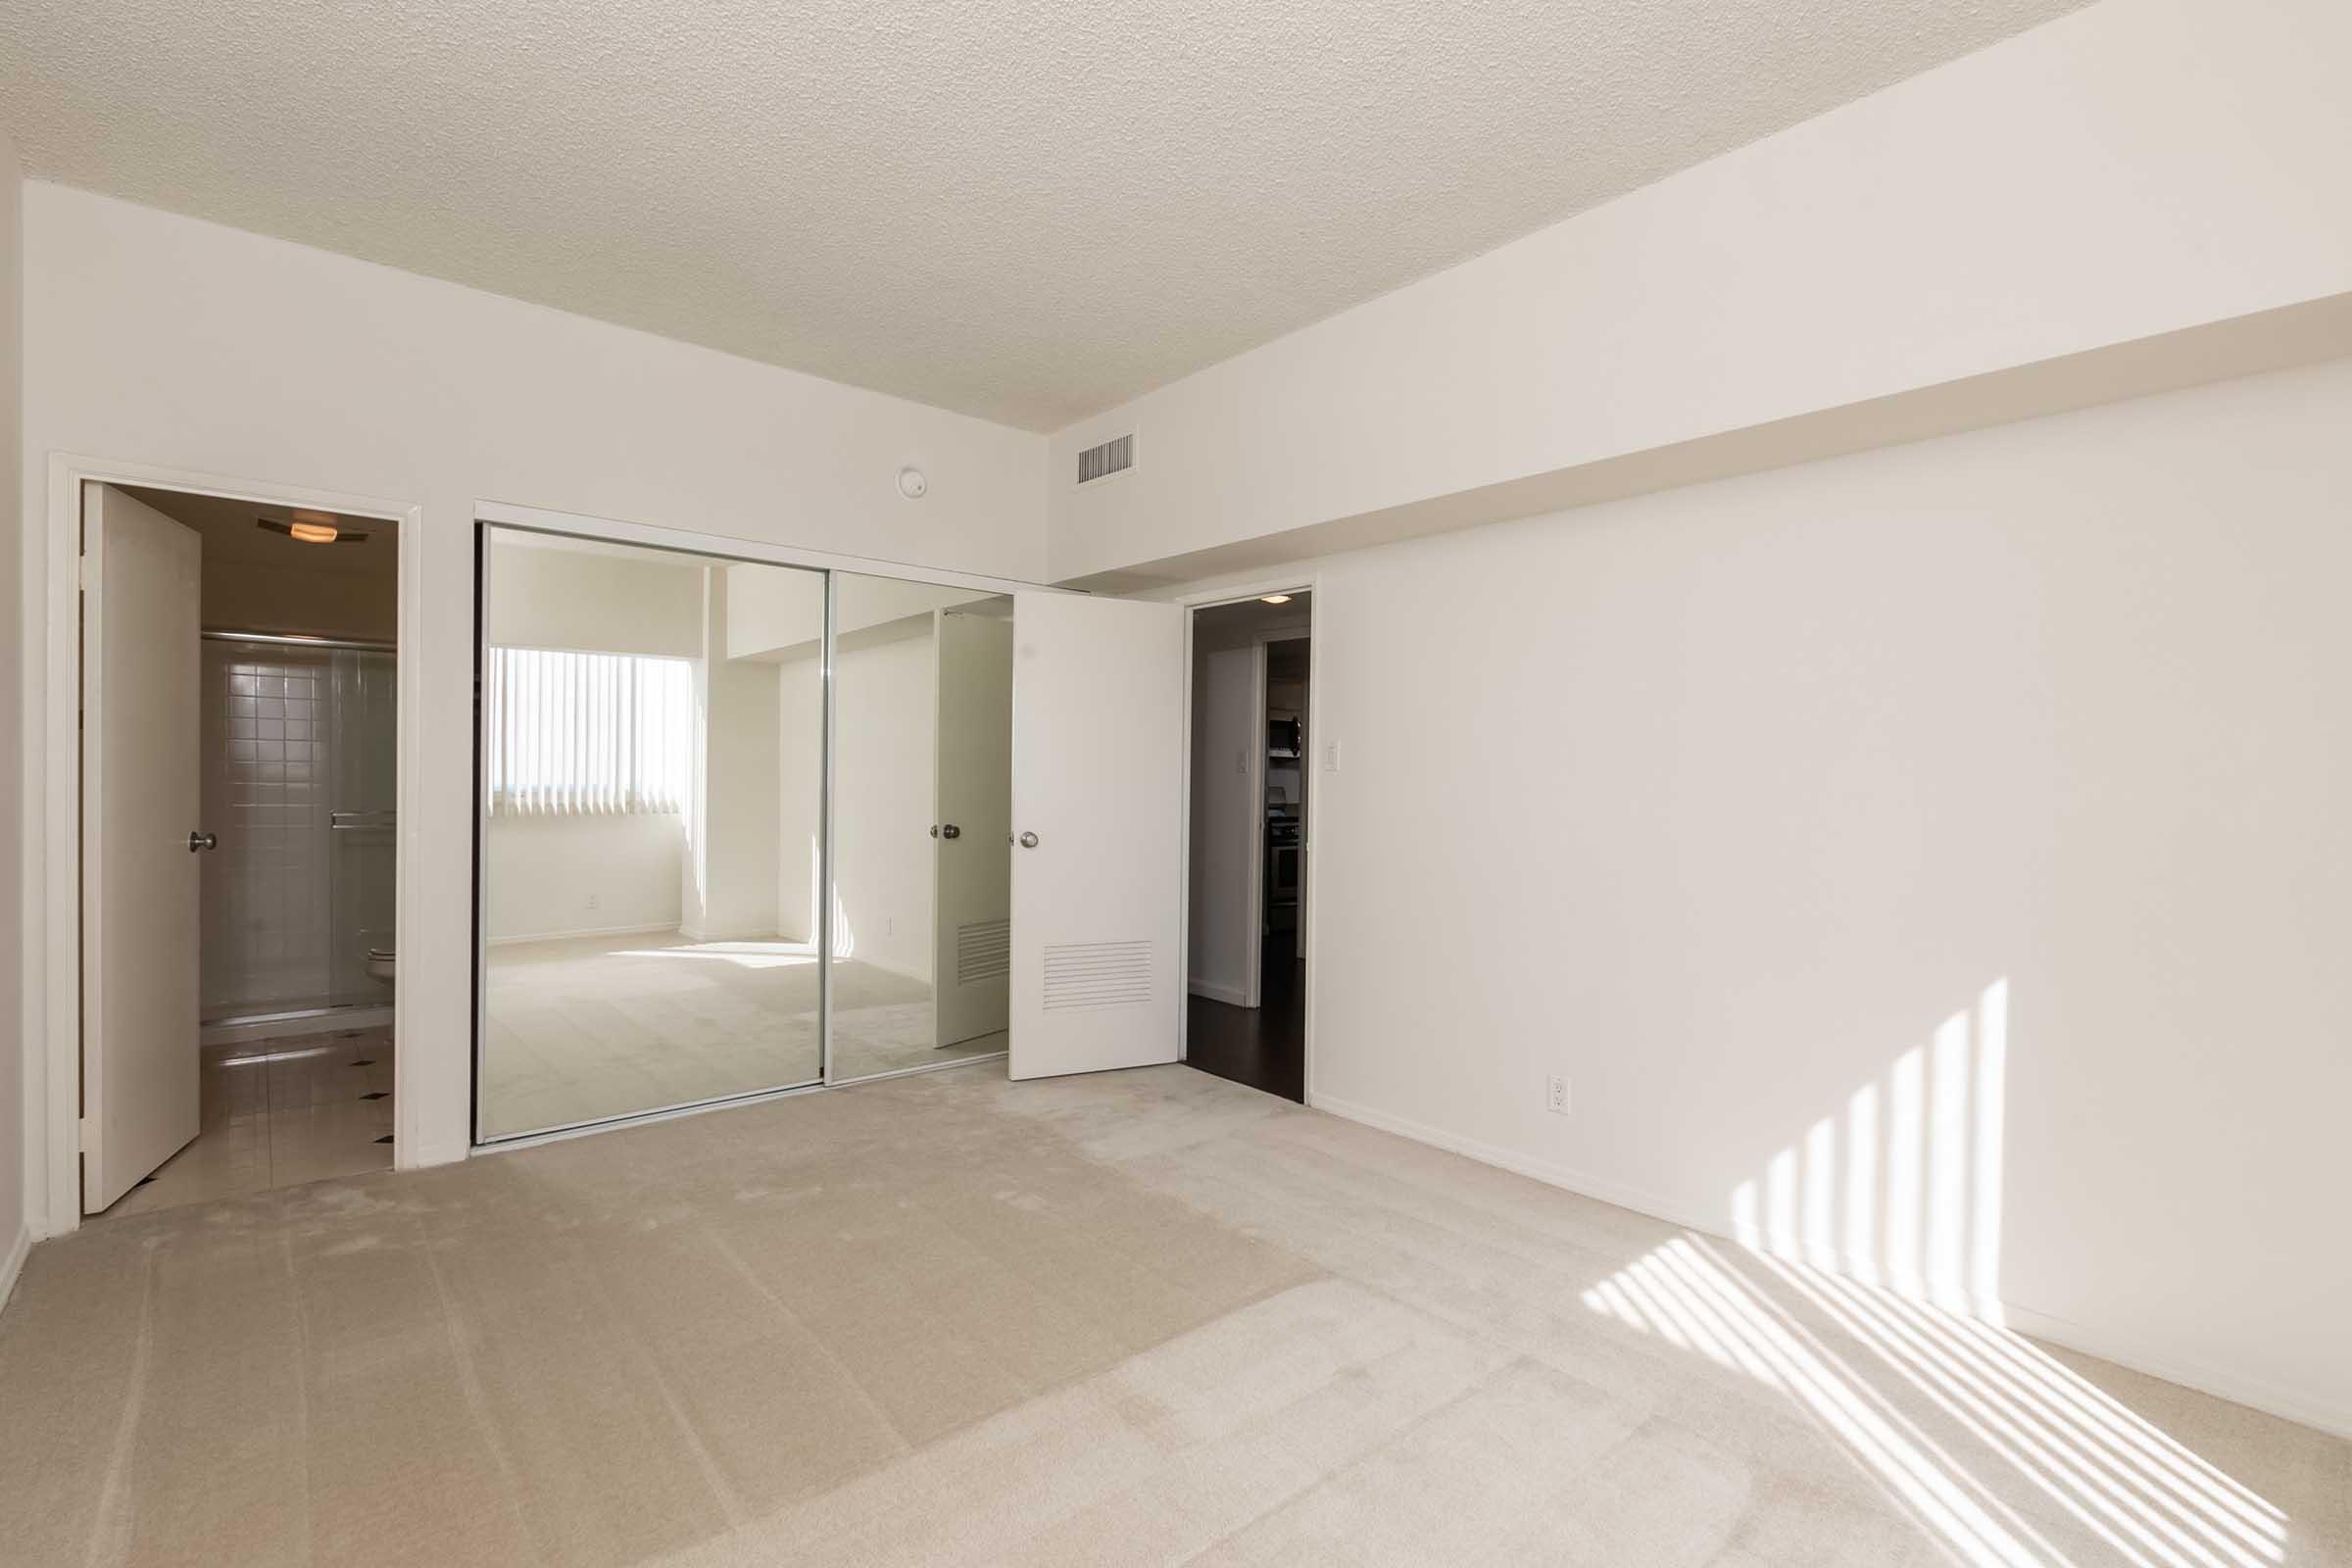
[{"x": 1116, "y": 456}]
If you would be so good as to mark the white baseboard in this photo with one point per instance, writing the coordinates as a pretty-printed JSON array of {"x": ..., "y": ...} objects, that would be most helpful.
[
  {"x": 2292, "y": 1404},
  {"x": 14, "y": 1263},
  {"x": 729, "y": 934},
  {"x": 1214, "y": 992},
  {"x": 1580, "y": 1183},
  {"x": 2256, "y": 1393},
  {"x": 587, "y": 931}
]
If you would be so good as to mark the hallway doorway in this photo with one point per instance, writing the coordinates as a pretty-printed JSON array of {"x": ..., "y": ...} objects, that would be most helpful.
[{"x": 1252, "y": 773}]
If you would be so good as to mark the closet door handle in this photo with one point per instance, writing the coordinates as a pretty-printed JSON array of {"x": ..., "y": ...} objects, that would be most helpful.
[
  {"x": 203, "y": 841},
  {"x": 1028, "y": 841},
  {"x": 951, "y": 831}
]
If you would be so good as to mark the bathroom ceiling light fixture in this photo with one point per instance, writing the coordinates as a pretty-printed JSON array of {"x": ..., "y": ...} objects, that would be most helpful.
[
  {"x": 312, "y": 528},
  {"x": 1273, "y": 599}
]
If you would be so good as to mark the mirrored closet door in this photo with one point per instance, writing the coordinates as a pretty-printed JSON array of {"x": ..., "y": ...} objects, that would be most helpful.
[
  {"x": 650, "y": 831},
  {"x": 922, "y": 782}
]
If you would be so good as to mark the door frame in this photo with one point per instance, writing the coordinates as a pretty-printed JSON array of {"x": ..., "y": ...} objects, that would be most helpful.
[
  {"x": 54, "y": 1052},
  {"x": 1309, "y": 584}
]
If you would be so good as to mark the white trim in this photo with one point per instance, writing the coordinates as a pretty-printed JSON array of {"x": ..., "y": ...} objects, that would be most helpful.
[
  {"x": 52, "y": 822},
  {"x": 593, "y": 931},
  {"x": 1310, "y": 584},
  {"x": 1231, "y": 995},
  {"x": 928, "y": 1066},
  {"x": 13, "y": 1265},
  {"x": 726, "y": 547},
  {"x": 718, "y": 547},
  {"x": 588, "y": 1128},
  {"x": 1654, "y": 1204},
  {"x": 2257, "y": 1394},
  {"x": 1253, "y": 899}
]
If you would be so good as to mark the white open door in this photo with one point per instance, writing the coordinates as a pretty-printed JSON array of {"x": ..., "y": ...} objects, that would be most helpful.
[
  {"x": 1097, "y": 804},
  {"x": 140, "y": 881},
  {"x": 973, "y": 792}
]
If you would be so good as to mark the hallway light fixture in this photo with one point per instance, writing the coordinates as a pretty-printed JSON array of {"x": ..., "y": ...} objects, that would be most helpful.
[{"x": 1274, "y": 598}]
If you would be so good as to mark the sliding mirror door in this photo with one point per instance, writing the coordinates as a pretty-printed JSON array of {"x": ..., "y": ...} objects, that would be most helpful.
[
  {"x": 922, "y": 905},
  {"x": 653, "y": 759}
]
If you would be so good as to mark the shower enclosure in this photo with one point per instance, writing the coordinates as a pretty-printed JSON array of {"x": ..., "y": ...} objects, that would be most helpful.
[{"x": 300, "y": 740}]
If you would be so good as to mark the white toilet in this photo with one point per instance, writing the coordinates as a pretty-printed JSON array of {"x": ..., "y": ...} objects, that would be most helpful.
[{"x": 379, "y": 964}]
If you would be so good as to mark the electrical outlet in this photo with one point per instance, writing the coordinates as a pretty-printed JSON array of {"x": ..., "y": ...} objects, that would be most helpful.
[
  {"x": 1555, "y": 1094},
  {"x": 593, "y": 900}
]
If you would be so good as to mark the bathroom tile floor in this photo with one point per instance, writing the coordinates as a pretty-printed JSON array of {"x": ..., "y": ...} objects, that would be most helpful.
[{"x": 279, "y": 1113}]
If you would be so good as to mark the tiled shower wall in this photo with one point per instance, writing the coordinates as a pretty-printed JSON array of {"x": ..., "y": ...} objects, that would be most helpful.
[{"x": 290, "y": 903}]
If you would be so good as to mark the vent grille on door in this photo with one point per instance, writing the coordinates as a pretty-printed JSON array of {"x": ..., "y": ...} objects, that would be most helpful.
[
  {"x": 1116, "y": 456},
  {"x": 1098, "y": 974},
  {"x": 983, "y": 951}
]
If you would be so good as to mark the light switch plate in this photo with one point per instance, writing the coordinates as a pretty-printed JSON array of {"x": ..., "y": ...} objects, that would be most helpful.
[{"x": 1331, "y": 757}]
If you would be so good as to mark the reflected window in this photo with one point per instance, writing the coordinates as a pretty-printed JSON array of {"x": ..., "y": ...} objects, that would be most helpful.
[{"x": 588, "y": 733}]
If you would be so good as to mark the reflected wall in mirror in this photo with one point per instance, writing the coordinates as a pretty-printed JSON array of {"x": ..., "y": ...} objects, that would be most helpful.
[
  {"x": 921, "y": 904},
  {"x": 648, "y": 834}
]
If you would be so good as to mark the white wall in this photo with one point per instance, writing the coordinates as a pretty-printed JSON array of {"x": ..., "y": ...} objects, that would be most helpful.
[
  {"x": 247, "y": 595},
  {"x": 544, "y": 872},
  {"x": 1228, "y": 828},
  {"x": 550, "y": 596},
  {"x": 1725, "y": 798},
  {"x": 885, "y": 747},
  {"x": 263, "y": 361},
  {"x": 772, "y": 614},
  {"x": 2132, "y": 172},
  {"x": 800, "y": 789},
  {"x": 20, "y": 1157},
  {"x": 734, "y": 838}
]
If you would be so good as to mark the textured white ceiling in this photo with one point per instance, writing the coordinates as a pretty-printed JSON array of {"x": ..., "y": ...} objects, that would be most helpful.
[{"x": 1027, "y": 210}]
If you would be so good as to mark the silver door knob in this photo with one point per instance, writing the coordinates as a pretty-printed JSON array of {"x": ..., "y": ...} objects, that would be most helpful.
[
  {"x": 203, "y": 841},
  {"x": 1028, "y": 841}
]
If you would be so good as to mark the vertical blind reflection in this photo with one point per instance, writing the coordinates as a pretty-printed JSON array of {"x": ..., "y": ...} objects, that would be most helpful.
[{"x": 588, "y": 734}]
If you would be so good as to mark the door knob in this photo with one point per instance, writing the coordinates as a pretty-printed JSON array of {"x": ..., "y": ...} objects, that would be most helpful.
[
  {"x": 1028, "y": 841},
  {"x": 951, "y": 831},
  {"x": 203, "y": 841}
]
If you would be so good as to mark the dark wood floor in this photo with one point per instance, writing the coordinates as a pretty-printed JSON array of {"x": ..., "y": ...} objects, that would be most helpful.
[{"x": 1264, "y": 1046}]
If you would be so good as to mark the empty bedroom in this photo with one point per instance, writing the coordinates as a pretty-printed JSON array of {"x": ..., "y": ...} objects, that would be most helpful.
[{"x": 1335, "y": 782}]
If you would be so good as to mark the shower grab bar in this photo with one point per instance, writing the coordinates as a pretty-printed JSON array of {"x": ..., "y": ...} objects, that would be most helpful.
[{"x": 351, "y": 820}]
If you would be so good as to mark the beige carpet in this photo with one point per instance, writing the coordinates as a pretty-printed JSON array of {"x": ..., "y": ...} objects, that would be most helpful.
[
  {"x": 1143, "y": 1317},
  {"x": 584, "y": 1028}
]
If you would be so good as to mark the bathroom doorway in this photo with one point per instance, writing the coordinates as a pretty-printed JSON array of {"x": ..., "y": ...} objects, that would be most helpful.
[{"x": 240, "y": 851}]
